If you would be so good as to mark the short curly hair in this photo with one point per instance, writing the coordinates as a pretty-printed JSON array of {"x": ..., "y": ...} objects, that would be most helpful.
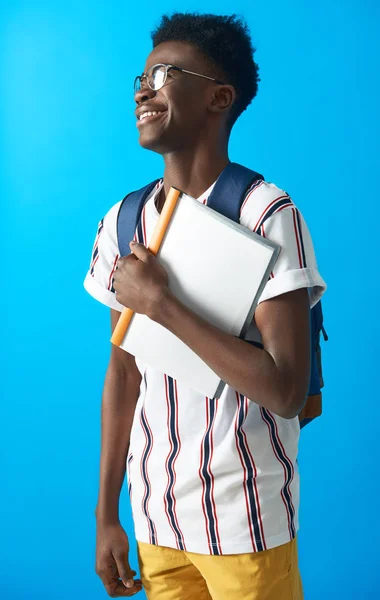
[{"x": 225, "y": 42}]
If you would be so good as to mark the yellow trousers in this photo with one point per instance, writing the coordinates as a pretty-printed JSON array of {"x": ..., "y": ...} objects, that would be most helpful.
[{"x": 169, "y": 574}]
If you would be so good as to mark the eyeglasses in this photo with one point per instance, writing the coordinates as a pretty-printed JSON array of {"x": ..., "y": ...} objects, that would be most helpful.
[{"x": 156, "y": 76}]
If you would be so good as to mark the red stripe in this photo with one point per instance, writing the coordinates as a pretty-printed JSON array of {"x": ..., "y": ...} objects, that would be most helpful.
[
  {"x": 167, "y": 466},
  {"x": 266, "y": 210},
  {"x": 113, "y": 271},
  {"x": 212, "y": 476},
  {"x": 282, "y": 207},
  {"x": 257, "y": 499},
  {"x": 202, "y": 478},
  {"x": 96, "y": 260},
  {"x": 144, "y": 227},
  {"x": 129, "y": 462},
  {"x": 250, "y": 524},
  {"x": 175, "y": 458},
  {"x": 287, "y": 458},
  {"x": 100, "y": 229},
  {"x": 142, "y": 476},
  {"x": 283, "y": 466},
  {"x": 246, "y": 400},
  {"x": 297, "y": 237},
  {"x": 263, "y": 234},
  {"x": 250, "y": 192},
  {"x": 147, "y": 476},
  {"x": 167, "y": 459},
  {"x": 95, "y": 247}
]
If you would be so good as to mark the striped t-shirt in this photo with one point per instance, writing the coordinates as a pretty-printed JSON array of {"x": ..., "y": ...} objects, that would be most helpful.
[{"x": 214, "y": 476}]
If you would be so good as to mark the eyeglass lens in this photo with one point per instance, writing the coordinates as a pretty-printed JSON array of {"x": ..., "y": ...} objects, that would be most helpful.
[{"x": 156, "y": 77}]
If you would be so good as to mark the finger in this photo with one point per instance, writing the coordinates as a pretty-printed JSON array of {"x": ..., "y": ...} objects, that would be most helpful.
[
  {"x": 126, "y": 574},
  {"x": 140, "y": 251},
  {"x": 117, "y": 589}
]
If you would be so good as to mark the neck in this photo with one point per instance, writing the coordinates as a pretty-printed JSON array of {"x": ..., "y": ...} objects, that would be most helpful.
[{"x": 193, "y": 171}]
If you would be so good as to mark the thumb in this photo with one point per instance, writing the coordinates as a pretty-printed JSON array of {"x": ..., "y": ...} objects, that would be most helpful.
[
  {"x": 125, "y": 572},
  {"x": 140, "y": 251}
]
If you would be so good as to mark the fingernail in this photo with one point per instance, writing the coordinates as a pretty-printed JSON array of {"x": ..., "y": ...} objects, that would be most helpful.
[{"x": 130, "y": 583}]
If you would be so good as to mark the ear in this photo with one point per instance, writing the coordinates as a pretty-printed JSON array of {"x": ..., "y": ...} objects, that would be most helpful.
[{"x": 223, "y": 97}]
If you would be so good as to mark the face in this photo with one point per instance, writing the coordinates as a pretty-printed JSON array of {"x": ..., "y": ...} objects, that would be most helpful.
[{"x": 184, "y": 104}]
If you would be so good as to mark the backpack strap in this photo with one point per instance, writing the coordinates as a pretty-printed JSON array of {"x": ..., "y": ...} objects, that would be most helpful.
[
  {"x": 230, "y": 190},
  {"x": 128, "y": 218}
]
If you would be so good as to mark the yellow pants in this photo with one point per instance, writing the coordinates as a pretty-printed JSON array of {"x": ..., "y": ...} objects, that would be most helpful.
[{"x": 169, "y": 574}]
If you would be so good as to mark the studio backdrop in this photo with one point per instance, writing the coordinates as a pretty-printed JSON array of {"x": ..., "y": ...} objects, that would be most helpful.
[{"x": 69, "y": 151}]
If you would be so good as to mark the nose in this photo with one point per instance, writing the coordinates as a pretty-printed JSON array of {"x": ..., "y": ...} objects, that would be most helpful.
[{"x": 144, "y": 94}]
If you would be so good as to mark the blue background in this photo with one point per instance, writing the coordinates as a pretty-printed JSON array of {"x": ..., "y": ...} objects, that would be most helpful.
[{"x": 68, "y": 152}]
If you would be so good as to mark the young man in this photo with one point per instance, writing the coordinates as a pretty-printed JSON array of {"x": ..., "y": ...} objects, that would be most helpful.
[{"x": 213, "y": 483}]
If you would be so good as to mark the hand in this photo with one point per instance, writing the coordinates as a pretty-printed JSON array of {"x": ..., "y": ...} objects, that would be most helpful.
[
  {"x": 140, "y": 282},
  {"x": 112, "y": 563}
]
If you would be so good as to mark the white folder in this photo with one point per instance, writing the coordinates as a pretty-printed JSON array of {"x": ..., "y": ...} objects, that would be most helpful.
[{"x": 218, "y": 269}]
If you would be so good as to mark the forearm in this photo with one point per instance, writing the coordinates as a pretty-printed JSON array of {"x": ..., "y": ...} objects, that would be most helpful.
[
  {"x": 120, "y": 395},
  {"x": 250, "y": 370}
]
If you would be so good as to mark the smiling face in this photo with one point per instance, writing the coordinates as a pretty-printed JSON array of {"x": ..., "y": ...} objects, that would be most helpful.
[{"x": 186, "y": 107}]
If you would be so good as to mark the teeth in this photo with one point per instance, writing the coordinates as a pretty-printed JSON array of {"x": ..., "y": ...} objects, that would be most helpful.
[{"x": 149, "y": 114}]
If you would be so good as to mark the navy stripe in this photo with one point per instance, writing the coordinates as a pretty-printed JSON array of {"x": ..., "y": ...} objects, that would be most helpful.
[
  {"x": 140, "y": 235},
  {"x": 100, "y": 225},
  {"x": 301, "y": 238},
  {"x": 129, "y": 475},
  {"x": 252, "y": 188},
  {"x": 95, "y": 254},
  {"x": 285, "y": 461},
  {"x": 208, "y": 480},
  {"x": 273, "y": 209},
  {"x": 250, "y": 476},
  {"x": 145, "y": 476},
  {"x": 172, "y": 456}
]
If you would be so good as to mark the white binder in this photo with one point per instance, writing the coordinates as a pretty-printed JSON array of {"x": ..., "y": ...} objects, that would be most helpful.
[{"x": 218, "y": 269}]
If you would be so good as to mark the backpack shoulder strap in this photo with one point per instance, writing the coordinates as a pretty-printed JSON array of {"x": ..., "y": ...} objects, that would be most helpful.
[
  {"x": 128, "y": 218},
  {"x": 230, "y": 190}
]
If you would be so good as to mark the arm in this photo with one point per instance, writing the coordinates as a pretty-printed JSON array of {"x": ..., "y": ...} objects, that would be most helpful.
[
  {"x": 120, "y": 394},
  {"x": 277, "y": 377}
]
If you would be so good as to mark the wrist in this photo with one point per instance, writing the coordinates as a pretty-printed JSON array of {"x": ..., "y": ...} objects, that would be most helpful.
[
  {"x": 163, "y": 307},
  {"x": 106, "y": 517}
]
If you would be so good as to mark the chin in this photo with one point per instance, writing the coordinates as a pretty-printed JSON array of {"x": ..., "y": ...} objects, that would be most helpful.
[
  {"x": 160, "y": 144},
  {"x": 149, "y": 143}
]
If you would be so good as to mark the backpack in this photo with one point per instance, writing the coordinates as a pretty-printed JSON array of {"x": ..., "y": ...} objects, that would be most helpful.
[{"x": 226, "y": 198}]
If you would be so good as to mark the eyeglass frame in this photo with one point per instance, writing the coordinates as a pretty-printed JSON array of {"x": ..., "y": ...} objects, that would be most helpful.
[{"x": 167, "y": 68}]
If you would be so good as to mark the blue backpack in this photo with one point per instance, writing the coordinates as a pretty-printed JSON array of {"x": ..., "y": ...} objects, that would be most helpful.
[{"x": 226, "y": 198}]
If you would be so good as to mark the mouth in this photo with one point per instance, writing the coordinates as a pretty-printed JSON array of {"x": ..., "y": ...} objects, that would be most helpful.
[{"x": 148, "y": 116}]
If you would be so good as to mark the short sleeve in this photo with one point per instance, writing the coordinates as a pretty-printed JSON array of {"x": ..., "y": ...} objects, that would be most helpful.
[
  {"x": 273, "y": 214},
  {"x": 105, "y": 254}
]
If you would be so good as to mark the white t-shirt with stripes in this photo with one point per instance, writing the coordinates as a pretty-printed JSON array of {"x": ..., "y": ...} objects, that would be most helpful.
[{"x": 205, "y": 475}]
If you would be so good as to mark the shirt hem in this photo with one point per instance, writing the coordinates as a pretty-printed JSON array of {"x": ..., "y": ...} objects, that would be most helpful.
[
  {"x": 98, "y": 292},
  {"x": 220, "y": 549},
  {"x": 295, "y": 279}
]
